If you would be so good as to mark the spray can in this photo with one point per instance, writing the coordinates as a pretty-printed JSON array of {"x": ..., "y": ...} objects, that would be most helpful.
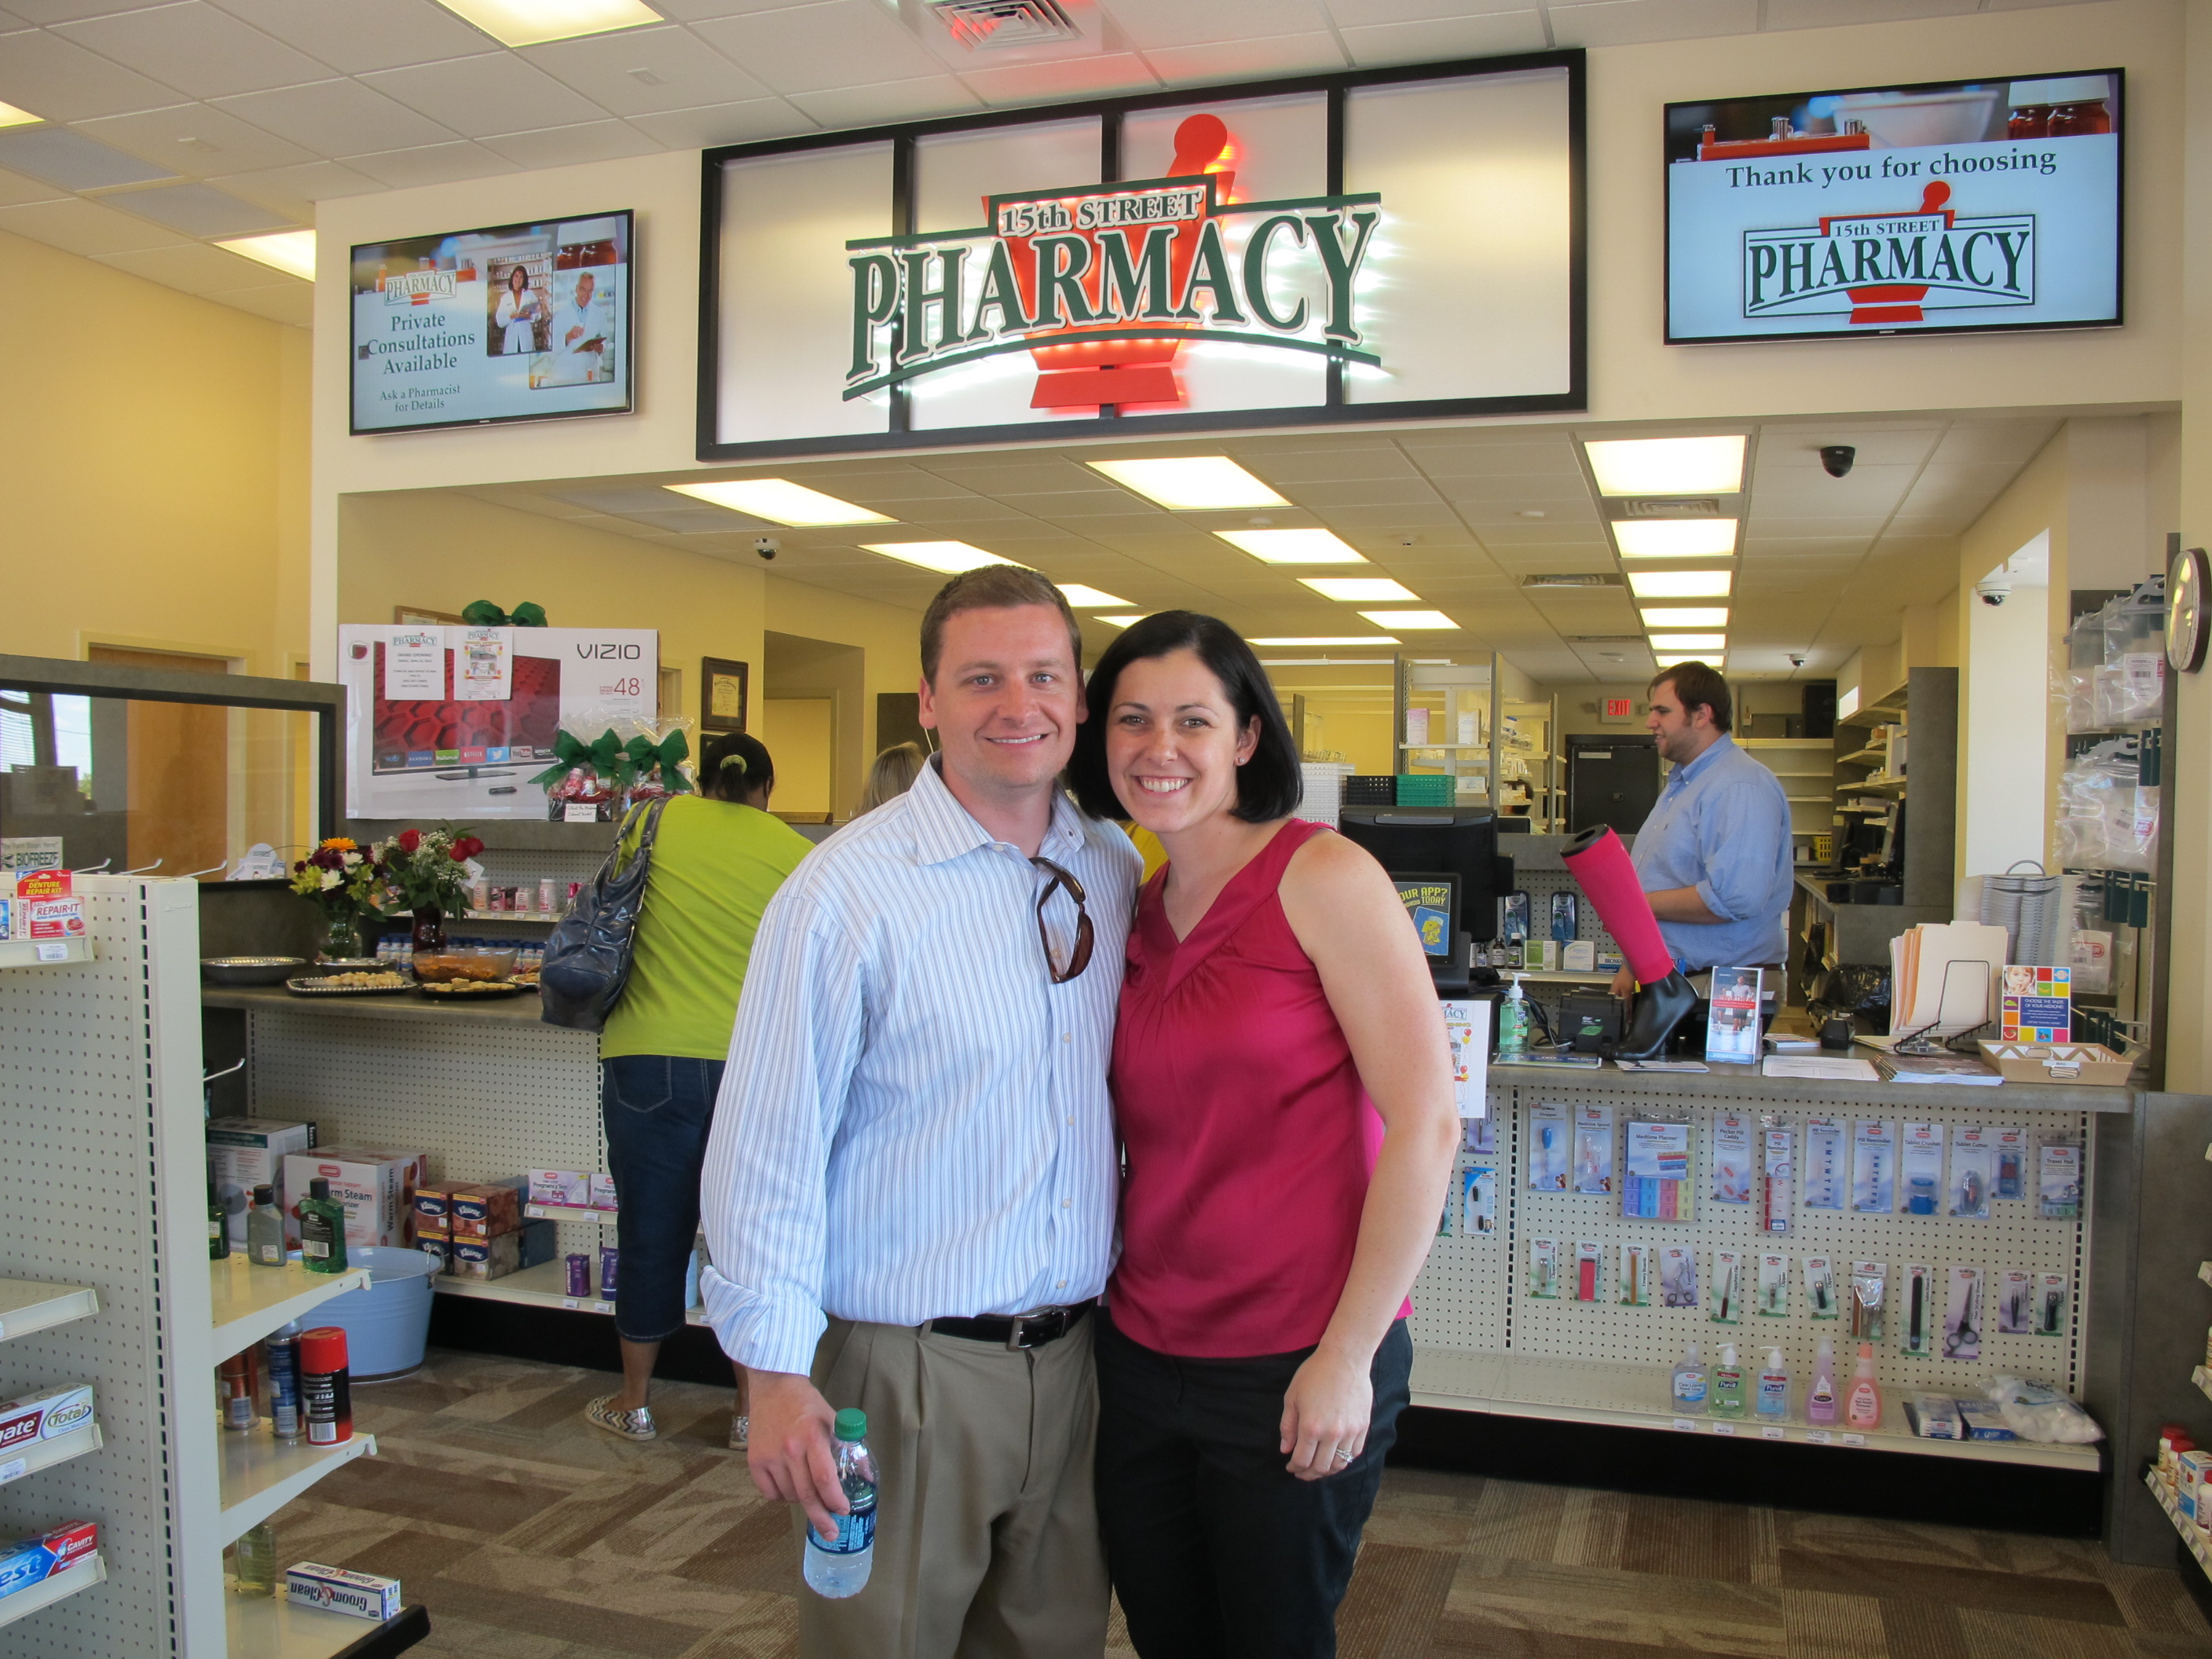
[{"x": 326, "y": 1386}]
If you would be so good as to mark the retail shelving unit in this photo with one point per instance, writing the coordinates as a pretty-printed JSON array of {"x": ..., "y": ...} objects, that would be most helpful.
[
  {"x": 2193, "y": 1537},
  {"x": 545, "y": 1286},
  {"x": 44, "y": 953},
  {"x": 1806, "y": 766}
]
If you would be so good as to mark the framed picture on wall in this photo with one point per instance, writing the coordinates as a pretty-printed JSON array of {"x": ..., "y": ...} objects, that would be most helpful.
[{"x": 722, "y": 691}]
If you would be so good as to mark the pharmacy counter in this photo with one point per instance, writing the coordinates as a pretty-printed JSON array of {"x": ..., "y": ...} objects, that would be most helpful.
[
  {"x": 406, "y": 1005},
  {"x": 1725, "y": 1083}
]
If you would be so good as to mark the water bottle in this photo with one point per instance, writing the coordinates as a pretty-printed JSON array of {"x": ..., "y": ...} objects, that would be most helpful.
[{"x": 838, "y": 1567}]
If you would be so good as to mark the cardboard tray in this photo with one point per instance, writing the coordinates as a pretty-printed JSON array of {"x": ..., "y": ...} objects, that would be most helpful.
[{"x": 2074, "y": 1064}]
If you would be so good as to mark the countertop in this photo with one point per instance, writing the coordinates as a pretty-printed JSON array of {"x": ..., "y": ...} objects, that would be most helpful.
[{"x": 396, "y": 1006}]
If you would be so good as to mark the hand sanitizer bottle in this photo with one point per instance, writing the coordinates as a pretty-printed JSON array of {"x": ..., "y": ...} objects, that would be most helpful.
[
  {"x": 1728, "y": 1384},
  {"x": 1513, "y": 1020},
  {"x": 1690, "y": 1383},
  {"x": 1863, "y": 1410},
  {"x": 1820, "y": 1403},
  {"x": 1773, "y": 1403}
]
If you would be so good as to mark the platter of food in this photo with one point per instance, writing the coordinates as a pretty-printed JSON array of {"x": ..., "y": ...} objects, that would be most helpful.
[{"x": 347, "y": 985}]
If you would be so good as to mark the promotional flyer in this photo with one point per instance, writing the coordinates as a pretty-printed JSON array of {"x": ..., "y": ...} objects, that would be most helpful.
[
  {"x": 514, "y": 323},
  {"x": 1969, "y": 205},
  {"x": 454, "y": 721}
]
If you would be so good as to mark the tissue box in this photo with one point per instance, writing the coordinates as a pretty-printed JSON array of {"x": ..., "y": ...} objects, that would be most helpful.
[
  {"x": 34, "y": 1560},
  {"x": 533, "y": 1242},
  {"x": 485, "y": 1209},
  {"x": 570, "y": 1189},
  {"x": 246, "y": 1152},
  {"x": 371, "y": 1183},
  {"x": 434, "y": 1214},
  {"x": 333, "y": 1590}
]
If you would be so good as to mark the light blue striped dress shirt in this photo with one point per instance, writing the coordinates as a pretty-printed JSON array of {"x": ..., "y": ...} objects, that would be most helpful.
[
  {"x": 914, "y": 1123},
  {"x": 1721, "y": 826}
]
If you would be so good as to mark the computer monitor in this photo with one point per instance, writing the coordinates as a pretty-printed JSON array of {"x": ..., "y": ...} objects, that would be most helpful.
[
  {"x": 1455, "y": 840},
  {"x": 1431, "y": 901}
]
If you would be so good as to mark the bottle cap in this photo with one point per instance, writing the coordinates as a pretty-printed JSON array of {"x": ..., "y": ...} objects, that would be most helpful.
[
  {"x": 264, "y": 1194},
  {"x": 323, "y": 1349},
  {"x": 1774, "y": 1360},
  {"x": 852, "y": 1424},
  {"x": 1728, "y": 1353},
  {"x": 1690, "y": 1354},
  {"x": 1866, "y": 1350},
  {"x": 318, "y": 1187}
]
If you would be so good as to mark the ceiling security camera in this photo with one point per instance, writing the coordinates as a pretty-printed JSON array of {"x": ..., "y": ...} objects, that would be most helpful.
[
  {"x": 1994, "y": 588},
  {"x": 1837, "y": 458},
  {"x": 1797, "y": 658},
  {"x": 766, "y": 546}
]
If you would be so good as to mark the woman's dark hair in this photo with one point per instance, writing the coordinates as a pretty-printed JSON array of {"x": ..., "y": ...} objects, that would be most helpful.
[
  {"x": 513, "y": 271},
  {"x": 734, "y": 765},
  {"x": 1269, "y": 785}
]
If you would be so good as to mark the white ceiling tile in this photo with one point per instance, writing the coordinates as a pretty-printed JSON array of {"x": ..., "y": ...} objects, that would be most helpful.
[
  {"x": 1074, "y": 77},
  {"x": 69, "y": 11},
  {"x": 15, "y": 190},
  {"x": 1795, "y": 448},
  {"x": 65, "y": 157},
  {"x": 197, "y": 209},
  {"x": 431, "y": 164},
  {"x": 2017, "y": 442},
  {"x": 193, "y": 267},
  {"x": 1241, "y": 60},
  {"x": 1350, "y": 13},
  {"x": 1823, "y": 14},
  {"x": 1328, "y": 497},
  {"x": 85, "y": 228},
  {"x": 740, "y": 123},
  {"x": 562, "y": 147},
  {"x": 887, "y": 100},
  {"x": 1150, "y": 23},
  {"x": 1628, "y": 22},
  {"x": 196, "y": 138},
  {"x": 477, "y": 96},
  {"x": 1371, "y": 44},
  {"x": 295, "y": 190},
  {"x": 286, "y": 302},
  {"x": 338, "y": 117},
  {"x": 813, "y": 48},
  {"x": 196, "y": 48},
  {"x": 360, "y": 35},
  {"x": 643, "y": 69},
  {"x": 1553, "y": 509},
  {"x": 58, "y": 79}
]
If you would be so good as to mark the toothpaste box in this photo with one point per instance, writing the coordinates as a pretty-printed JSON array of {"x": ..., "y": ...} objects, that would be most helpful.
[
  {"x": 371, "y": 1183},
  {"x": 43, "y": 1416},
  {"x": 570, "y": 1187},
  {"x": 1935, "y": 1417},
  {"x": 34, "y": 1560},
  {"x": 602, "y": 1190},
  {"x": 246, "y": 1152},
  {"x": 533, "y": 1242},
  {"x": 485, "y": 1209},
  {"x": 333, "y": 1590},
  {"x": 1984, "y": 1421}
]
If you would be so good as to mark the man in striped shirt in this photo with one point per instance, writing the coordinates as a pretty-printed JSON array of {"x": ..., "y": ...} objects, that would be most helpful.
[{"x": 914, "y": 1139}]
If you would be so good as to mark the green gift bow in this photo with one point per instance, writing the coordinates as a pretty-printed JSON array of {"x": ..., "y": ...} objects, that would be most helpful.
[
  {"x": 603, "y": 756},
  {"x": 668, "y": 754},
  {"x": 484, "y": 614}
]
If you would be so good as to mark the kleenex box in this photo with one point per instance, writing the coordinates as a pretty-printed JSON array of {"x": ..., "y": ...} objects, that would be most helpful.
[{"x": 333, "y": 1590}]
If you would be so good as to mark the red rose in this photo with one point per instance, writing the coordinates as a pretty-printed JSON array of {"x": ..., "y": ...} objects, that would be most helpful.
[
  {"x": 410, "y": 840},
  {"x": 467, "y": 846}
]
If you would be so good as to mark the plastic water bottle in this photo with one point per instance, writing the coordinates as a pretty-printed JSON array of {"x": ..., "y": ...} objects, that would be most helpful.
[{"x": 838, "y": 1567}]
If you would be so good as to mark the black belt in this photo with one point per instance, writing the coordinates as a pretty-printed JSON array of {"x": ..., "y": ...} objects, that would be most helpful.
[{"x": 1015, "y": 1331}]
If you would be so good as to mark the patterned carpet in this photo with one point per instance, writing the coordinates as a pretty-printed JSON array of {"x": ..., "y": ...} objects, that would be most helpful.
[{"x": 530, "y": 1536}]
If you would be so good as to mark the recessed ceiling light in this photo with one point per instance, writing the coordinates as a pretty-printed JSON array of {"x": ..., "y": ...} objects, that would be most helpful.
[
  {"x": 780, "y": 502},
  {"x": 1409, "y": 619},
  {"x": 1689, "y": 641},
  {"x": 1085, "y": 598},
  {"x": 1129, "y": 621},
  {"x": 1680, "y": 584},
  {"x": 1325, "y": 639},
  {"x": 530, "y": 22},
  {"x": 951, "y": 557},
  {"x": 12, "y": 117},
  {"x": 1676, "y": 659},
  {"x": 1693, "y": 615},
  {"x": 1674, "y": 539},
  {"x": 1194, "y": 483},
  {"x": 1294, "y": 546},
  {"x": 1327, "y": 662},
  {"x": 1356, "y": 589},
  {"x": 292, "y": 251},
  {"x": 1667, "y": 466}
]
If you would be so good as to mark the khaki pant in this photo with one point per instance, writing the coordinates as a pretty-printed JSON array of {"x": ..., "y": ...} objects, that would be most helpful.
[{"x": 986, "y": 1530}]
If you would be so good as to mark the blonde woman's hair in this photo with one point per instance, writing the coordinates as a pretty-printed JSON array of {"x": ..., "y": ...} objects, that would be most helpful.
[{"x": 892, "y": 774}]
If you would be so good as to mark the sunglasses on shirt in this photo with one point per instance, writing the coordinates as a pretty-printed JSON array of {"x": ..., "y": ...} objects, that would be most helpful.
[{"x": 1079, "y": 958}]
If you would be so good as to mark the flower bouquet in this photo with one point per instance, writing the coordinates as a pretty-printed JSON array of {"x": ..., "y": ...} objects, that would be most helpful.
[
  {"x": 428, "y": 872},
  {"x": 343, "y": 882}
]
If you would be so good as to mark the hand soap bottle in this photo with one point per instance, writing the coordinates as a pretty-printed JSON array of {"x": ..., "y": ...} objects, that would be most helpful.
[
  {"x": 1820, "y": 1403},
  {"x": 1864, "y": 1409},
  {"x": 322, "y": 1229},
  {"x": 1690, "y": 1383},
  {"x": 1773, "y": 1403},
  {"x": 1513, "y": 1020},
  {"x": 1728, "y": 1383}
]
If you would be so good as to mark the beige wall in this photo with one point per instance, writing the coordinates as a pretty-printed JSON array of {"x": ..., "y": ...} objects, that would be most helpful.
[{"x": 157, "y": 480}]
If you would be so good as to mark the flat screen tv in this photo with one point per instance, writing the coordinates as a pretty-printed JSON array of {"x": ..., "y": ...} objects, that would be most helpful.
[
  {"x": 527, "y": 322},
  {"x": 1942, "y": 208}
]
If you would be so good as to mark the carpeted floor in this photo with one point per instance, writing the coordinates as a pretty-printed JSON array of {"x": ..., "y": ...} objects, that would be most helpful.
[{"x": 530, "y": 1536}]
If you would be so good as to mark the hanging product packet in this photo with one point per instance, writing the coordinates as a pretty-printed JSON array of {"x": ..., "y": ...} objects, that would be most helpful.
[
  {"x": 1962, "y": 1317},
  {"x": 1732, "y": 1160},
  {"x": 1656, "y": 1184},
  {"x": 1773, "y": 1286},
  {"x": 1776, "y": 1145},
  {"x": 1634, "y": 1276},
  {"x": 1869, "y": 1286},
  {"x": 1549, "y": 1135},
  {"x": 2011, "y": 1143},
  {"x": 1821, "y": 1301},
  {"x": 1593, "y": 1149},
  {"x": 2058, "y": 1175},
  {"x": 1826, "y": 1165},
  {"x": 1920, "y": 1162},
  {"x": 1544, "y": 1269},
  {"x": 1678, "y": 1276},
  {"x": 1973, "y": 1172},
  {"x": 1873, "y": 1167},
  {"x": 1728, "y": 1287},
  {"x": 1589, "y": 1256},
  {"x": 1478, "y": 1200},
  {"x": 2016, "y": 1300},
  {"x": 1916, "y": 1311}
]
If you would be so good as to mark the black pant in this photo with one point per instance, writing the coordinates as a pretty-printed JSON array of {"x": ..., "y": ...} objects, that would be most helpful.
[{"x": 1217, "y": 1551}]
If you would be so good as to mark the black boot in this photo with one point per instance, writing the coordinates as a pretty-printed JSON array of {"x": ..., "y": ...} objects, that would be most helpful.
[{"x": 1659, "y": 1009}]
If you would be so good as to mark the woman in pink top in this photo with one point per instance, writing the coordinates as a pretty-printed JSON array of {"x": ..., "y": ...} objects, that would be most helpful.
[{"x": 1282, "y": 1087}]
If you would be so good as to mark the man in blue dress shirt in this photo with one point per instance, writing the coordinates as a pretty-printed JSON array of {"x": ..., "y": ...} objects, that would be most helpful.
[{"x": 1714, "y": 857}]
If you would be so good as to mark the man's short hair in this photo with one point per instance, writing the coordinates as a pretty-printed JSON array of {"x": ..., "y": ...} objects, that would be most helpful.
[
  {"x": 1697, "y": 683},
  {"x": 993, "y": 587}
]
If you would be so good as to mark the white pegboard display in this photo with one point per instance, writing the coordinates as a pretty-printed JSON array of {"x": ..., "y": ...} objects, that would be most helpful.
[{"x": 1474, "y": 1297}]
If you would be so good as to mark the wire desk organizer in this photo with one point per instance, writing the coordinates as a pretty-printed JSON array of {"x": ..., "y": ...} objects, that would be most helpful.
[{"x": 1932, "y": 1038}]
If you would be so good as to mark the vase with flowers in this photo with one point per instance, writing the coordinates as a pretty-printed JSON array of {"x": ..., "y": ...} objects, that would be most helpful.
[
  {"x": 427, "y": 871},
  {"x": 343, "y": 882}
]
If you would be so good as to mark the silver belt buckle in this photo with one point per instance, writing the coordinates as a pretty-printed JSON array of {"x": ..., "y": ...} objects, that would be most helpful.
[{"x": 1014, "y": 1343}]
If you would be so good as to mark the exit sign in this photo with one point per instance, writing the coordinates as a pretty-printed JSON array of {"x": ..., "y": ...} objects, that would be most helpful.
[{"x": 1616, "y": 711}]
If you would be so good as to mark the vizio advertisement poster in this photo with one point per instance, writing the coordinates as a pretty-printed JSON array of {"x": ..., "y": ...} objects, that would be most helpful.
[
  {"x": 1943, "y": 208},
  {"x": 511, "y": 323}
]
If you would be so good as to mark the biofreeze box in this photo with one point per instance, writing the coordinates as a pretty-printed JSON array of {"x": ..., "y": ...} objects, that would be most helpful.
[
  {"x": 372, "y": 1183},
  {"x": 333, "y": 1590},
  {"x": 246, "y": 1152}
]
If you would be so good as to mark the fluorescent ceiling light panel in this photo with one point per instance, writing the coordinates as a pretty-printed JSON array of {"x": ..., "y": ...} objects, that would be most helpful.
[
  {"x": 1085, "y": 598},
  {"x": 1667, "y": 466},
  {"x": 292, "y": 251},
  {"x": 1680, "y": 584},
  {"x": 1129, "y": 621},
  {"x": 1326, "y": 639},
  {"x": 531, "y": 22},
  {"x": 780, "y": 502},
  {"x": 1674, "y": 539},
  {"x": 1693, "y": 615},
  {"x": 12, "y": 117},
  {"x": 951, "y": 557},
  {"x": 1192, "y": 484},
  {"x": 1294, "y": 546},
  {"x": 1689, "y": 641},
  {"x": 1358, "y": 589},
  {"x": 1675, "y": 659},
  {"x": 1409, "y": 619}
]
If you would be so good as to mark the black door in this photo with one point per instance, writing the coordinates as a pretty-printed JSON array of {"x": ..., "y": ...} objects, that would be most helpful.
[{"x": 1612, "y": 781}]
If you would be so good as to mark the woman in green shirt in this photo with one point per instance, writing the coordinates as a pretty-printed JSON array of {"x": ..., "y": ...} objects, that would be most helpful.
[{"x": 717, "y": 860}]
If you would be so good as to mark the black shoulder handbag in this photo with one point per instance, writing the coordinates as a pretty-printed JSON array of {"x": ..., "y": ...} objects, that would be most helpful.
[{"x": 587, "y": 957}]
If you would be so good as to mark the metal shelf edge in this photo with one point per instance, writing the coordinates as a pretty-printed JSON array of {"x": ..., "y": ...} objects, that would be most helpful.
[{"x": 83, "y": 1576}]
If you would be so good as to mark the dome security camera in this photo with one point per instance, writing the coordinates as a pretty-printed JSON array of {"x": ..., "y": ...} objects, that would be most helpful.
[
  {"x": 1837, "y": 458},
  {"x": 766, "y": 546},
  {"x": 1797, "y": 658},
  {"x": 1994, "y": 588}
]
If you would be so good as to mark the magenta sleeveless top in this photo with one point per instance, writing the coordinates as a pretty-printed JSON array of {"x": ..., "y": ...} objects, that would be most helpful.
[{"x": 1249, "y": 1138}]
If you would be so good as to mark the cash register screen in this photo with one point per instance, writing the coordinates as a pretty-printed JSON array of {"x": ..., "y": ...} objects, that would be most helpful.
[{"x": 1432, "y": 902}]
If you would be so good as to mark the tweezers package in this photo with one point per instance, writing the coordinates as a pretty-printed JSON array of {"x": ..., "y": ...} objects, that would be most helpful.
[
  {"x": 1774, "y": 1286},
  {"x": 1728, "y": 1287},
  {"x": 2015, "y": 1301},
  {"x": 1916, "y": 1307},
  {"x": 1821, "y": 1301}
]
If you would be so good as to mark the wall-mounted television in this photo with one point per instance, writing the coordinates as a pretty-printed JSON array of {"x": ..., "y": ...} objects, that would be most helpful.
[
  {"x": 1941, "y": 208},
  {"x": 527, "y": 322}
]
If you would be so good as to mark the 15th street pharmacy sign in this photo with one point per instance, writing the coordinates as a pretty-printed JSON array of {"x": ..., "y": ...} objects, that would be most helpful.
[{"x": 1371, "y": 246}]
